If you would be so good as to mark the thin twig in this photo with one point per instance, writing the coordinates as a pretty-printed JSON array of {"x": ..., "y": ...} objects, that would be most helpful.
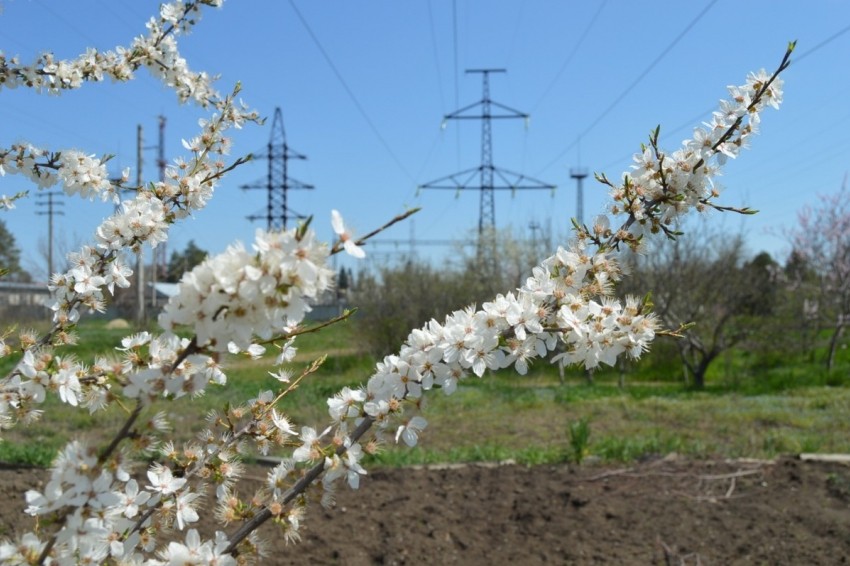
[
  {"x": 348, "y": 313},
  {"x": 298, "y": 487},
  {"x": 609, "y": 474},
  {"x": 733, "y": 475},
  {"x": 731, "y": 488},
  {"x": 122, "y": 434},
  {"x": 709, "y": 498},
  {"x": 337, "y": 247}
]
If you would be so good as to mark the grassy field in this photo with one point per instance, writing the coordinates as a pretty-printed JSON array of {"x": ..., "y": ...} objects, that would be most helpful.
[{"x": 744, "y": 410}]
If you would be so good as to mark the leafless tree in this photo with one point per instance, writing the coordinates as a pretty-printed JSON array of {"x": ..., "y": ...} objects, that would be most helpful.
[{"x": 703, "y": 277}]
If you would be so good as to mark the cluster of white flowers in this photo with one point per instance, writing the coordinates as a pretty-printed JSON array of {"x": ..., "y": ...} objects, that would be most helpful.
[
  {"x": 662, "y": 187},
  {"x": 556, "y": 306},
  {"x": 76, "y": 171},
  {"x": 157, "y": 51},
  {"x": 231, "y": 298},
  {"x": 111, "y": 517},
  {"x": 146, "y": 218},
  {"x": 566, "y": 304},
  {"x": 163, "y": 371},
  {"x": 162, "y": 57},
  {"x": 84, "y": 174}
]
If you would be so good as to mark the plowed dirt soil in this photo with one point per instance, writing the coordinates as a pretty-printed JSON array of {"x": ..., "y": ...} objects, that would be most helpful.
[{"x": 662, "y": 512}]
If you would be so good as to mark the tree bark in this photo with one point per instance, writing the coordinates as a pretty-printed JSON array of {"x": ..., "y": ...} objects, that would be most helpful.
[
  {"x": 833, "y": 344},
  {"x": 702, "y": 367}
]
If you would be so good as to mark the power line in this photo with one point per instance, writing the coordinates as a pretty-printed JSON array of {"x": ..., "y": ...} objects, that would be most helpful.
[
  {"x": 119, "y": 15},
  {"x": 570, "y": 56},
  {"x": 634, "y": 83},
  {"x": 666, "y": 134},
  {"x": 516, "y": 31},
  {"x": 436, "y": 55},
  {"x": 13, "y": 40},
  {"x": 457, "y": 74},
  {"x": 68, "y": 24},
  {"x": 429, "y": 154},
  {"x": 690, "y": 122},
  {"x": 46, "y": 125},
  {"x": 131, "y": 7},
  {"x": 829, "y": 39},
  {"x": 351, "y": 93}
]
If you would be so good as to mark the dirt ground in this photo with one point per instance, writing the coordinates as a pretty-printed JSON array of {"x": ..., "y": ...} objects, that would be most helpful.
[{"x": 662, "y": 512}]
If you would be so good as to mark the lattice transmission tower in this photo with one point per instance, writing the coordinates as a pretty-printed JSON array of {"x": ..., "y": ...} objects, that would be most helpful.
[
  {"x": 489, "y": 178},
  {"x": 278, "y": 182}
]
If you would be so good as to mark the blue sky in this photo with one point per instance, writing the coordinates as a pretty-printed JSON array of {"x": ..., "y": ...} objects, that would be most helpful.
[{"x": 372, "y": 140}]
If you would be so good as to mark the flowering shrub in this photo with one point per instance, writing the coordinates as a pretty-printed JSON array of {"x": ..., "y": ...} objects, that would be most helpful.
[
  {"x": 821, "y": 240},
  {"x": 242, "y": 301}
]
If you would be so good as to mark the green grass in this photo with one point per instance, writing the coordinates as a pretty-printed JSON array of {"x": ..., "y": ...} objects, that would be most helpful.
[
  {"x": 743, "y": 411},
  {"x": 26, "y": 454}
]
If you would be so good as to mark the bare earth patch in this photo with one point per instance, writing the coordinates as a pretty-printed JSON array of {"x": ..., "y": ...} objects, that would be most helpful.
[{"x": 663, "y": 512}]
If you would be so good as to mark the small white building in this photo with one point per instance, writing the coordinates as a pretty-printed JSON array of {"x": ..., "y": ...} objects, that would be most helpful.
[{"x": 23, "y": 301}]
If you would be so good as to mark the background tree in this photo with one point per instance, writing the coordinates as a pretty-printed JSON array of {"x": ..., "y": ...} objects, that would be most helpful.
[
  {"x": 342, "y": 280},
  {"x": 795, "y": 310},
  {"x": 181, "y": 262},
  {"x": 62, "y": 246},
  {"x": 10, "y": 257},
  {"x": 702, "y": 277},
  {"x": 759, "y": 272},
  {"x": 395, "y": 299},
  {"x": 822, "y": 241}
]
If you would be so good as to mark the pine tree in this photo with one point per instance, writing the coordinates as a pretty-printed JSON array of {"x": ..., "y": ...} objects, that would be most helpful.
[
  {"x": 180, "y": 263},
  {"x": 342, "y": 282},
  {"x": 10, "y": 257}
]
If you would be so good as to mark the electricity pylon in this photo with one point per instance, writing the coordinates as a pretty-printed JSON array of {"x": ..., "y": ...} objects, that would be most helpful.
[
  {"x": 579, "y": 173},
  {"x": 486, "y": 173},
  {"x": 278, "y": 182}
]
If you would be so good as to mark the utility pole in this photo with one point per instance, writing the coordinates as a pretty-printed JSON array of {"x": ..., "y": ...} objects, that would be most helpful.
[
  {"x": 50, "y": 203},
  {"x": 140, "y": 257},
  {"x": 487, "y": 173},
  {"x": 159, "y": 254},
  {"x": 579, "y": 173},
  {"x": 534, "y": 226},
  {"x": 278, "y": 182}
]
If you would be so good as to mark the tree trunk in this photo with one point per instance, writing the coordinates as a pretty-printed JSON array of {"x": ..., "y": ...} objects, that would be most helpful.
[
  {"x": 833, "y": 344},
  {"x": 683, "y": 353},
  {"x": 702, "y": 368}
]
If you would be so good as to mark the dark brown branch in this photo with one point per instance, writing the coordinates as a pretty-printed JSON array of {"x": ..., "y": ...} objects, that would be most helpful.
[{"x": 297, "y": 489}]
